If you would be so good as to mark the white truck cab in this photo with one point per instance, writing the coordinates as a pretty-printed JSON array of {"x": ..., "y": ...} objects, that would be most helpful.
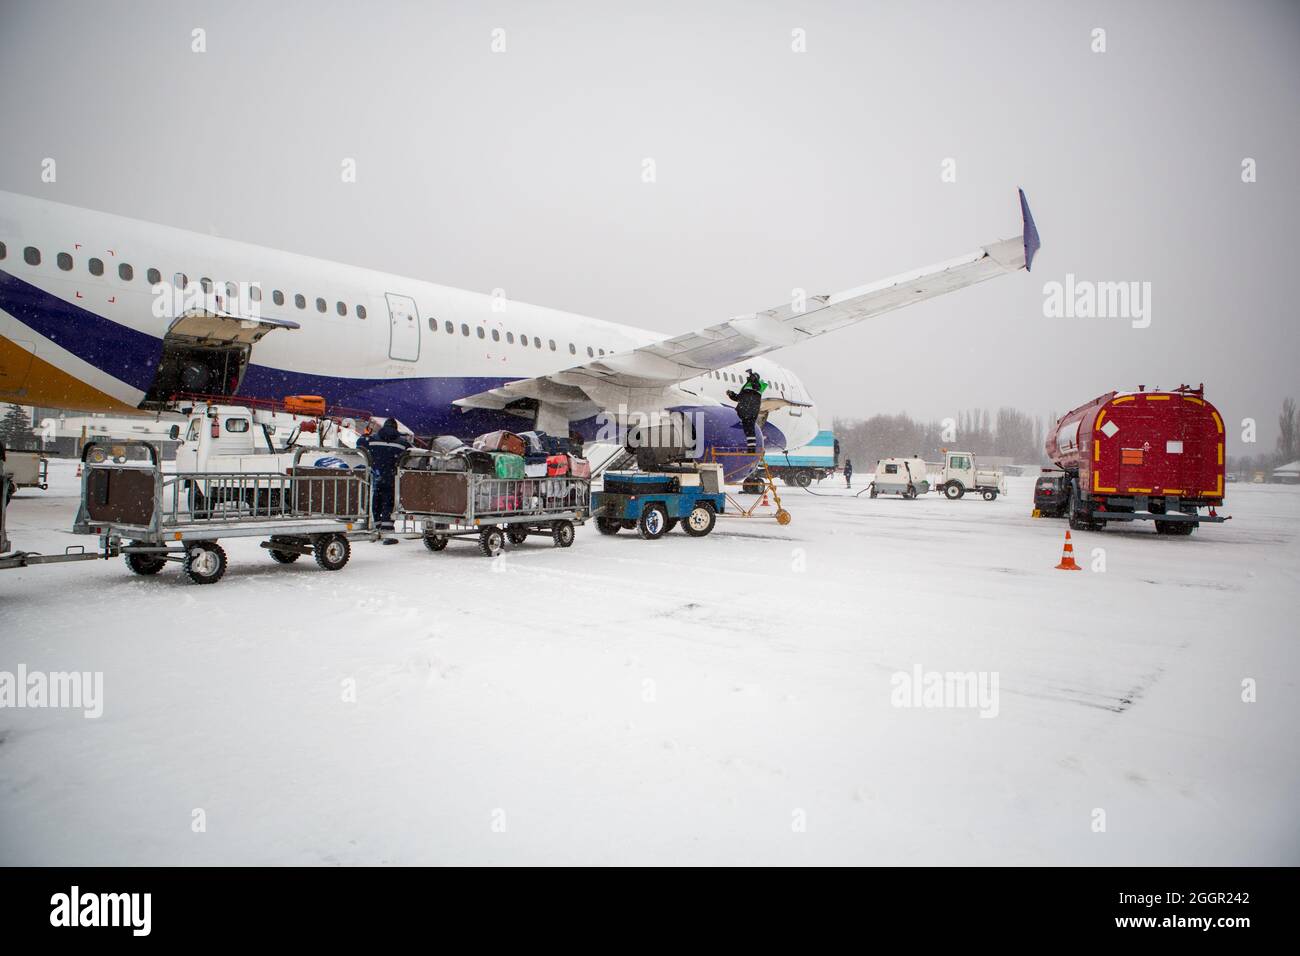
[{"x": 959, "y": 473}]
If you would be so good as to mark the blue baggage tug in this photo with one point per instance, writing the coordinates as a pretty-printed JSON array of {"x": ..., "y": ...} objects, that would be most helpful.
[{"x": 655, "y": 503}]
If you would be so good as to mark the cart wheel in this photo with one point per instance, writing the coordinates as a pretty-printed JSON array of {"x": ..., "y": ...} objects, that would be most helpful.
[
  {"x": 608, "y": 525},
  {"x": 144, "y": 564},
  {"x": 782, "y": 516},
  {"x": 517, "y": 535},
  {"x": 332, "y": 551},
  {"x": 205, "y": 562},
  {"x": 562, "y": 532},
  {"x": 700, "y": 521},
  {"x": 990, "y": 495},
  {"x": 284, "y": 557},
  {"x": 491, "y": 542},
  {"x": 653, "y": 523},
  {"x": 435, "y": 542}
]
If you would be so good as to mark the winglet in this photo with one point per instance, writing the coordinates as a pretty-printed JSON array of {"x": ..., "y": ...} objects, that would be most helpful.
[{"x": 1032, "y": 242}]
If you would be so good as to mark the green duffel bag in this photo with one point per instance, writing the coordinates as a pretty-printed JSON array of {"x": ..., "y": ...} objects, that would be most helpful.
[{"x": 508, "y": 465}]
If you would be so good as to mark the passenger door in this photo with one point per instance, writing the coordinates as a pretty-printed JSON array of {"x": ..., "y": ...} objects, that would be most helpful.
[{"x": 403, "y": 328}]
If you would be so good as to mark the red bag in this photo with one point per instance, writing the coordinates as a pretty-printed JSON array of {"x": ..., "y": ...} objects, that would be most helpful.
[
  {"x": 579, "y": 467},
  {"x": 305, "y": 404},
  {"x": 557, "y": 465}
]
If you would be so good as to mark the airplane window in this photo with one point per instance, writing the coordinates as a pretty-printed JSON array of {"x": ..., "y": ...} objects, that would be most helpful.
[
  {"x": 125, "y": 272},
  {"x": 3, "y": 251},
  {"x": 205, "y": 281},
  {"x": 277, "y": 297},
  {"x": 602, "y": 351},
  {"x": 433, "y": 324},
  {"x": 320, "y": 304},
  {"x": 255, "y": 291},
  {"x": 32, "y": 256},
  {"x": 300, "y": 301},
  {"x": 552, "y": 344},
  {"x": 182, "y": 281},
  {"x": 464, "y": 330},
  {"x": 361, "y": 312},
  {"x": 451, "y": 329},
  {"x": 537, "y": 341},
  {"x": 96, "y": 267},
  {"x": 481, "y": 333},
  {"x": 232, "y": 291},
  {"x": 64, "y": 260},
  {"x": 573, "y": 349},
  {"x": 591, "y": 353},
  {"x": 154, "y": 276},
  {"x": 523, "y": 340},
  {"x": 496, "y": 335},
  {"x": 510, "y": 338},
  {"x": 341, "y": 308}
]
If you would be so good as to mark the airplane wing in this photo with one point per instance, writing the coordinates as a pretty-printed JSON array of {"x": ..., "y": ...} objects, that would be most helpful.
[{"x": 687, "y": 356}]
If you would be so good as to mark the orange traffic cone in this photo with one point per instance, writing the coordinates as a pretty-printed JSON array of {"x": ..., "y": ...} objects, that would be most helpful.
[
  {"x": 764, "y": 502},
  {"x": 1067, "y": 557}
]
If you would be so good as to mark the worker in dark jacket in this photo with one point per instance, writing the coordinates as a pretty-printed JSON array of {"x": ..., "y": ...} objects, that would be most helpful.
[
  {"x": 848, "y": 472},
  {"x": 749, "y": 402},
  {"x": 386, "y": 448}
]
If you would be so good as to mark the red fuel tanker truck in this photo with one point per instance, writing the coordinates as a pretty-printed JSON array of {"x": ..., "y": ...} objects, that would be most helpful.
[{"x": 1141, "y": 456}]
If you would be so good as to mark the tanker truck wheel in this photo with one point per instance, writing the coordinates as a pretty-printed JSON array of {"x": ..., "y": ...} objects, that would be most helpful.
[{"x": 953, "y": 490}]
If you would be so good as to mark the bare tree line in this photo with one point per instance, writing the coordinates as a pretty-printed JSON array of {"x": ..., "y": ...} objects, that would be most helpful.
[{"x": 1008, "y": 433}]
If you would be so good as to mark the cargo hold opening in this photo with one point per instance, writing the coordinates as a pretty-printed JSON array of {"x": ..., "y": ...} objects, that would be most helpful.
[{"x": 206, "y": 353}]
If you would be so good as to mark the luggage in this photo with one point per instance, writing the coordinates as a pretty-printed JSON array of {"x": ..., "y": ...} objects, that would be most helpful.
[
  {"x": 446, "y": 444},
  {"x": 534, "y": 469},
  {"x": 477, "y": 462},
  {"x": 305, "y": 404},
  {"x": 560, "y": 465},
  {"x": 501, "y": 441},
  {"x": 440, "y": 462},
  {"x": 508, "y": 465}
]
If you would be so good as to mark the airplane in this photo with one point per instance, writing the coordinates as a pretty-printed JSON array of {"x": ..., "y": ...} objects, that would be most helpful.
[{"x": 104, "y": 313}]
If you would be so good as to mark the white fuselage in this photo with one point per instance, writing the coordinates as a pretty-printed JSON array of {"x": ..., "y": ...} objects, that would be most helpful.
[{"x": 80, "y": 327}]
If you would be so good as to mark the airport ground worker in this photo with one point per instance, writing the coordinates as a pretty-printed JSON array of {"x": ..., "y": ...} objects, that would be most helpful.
[
  {"x": 848, "y": 472},
  {"x": 749, "y": 402},
  {"x": 386, "y": 448}
]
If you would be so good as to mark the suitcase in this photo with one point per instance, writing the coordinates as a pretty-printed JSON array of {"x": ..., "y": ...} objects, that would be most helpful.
[
  {"x": 477, "y": 462},
  {"x": 579, "y": 467},
  {"x": 305, "y": 404},
  {"x": 440, "y": 462},
  {"x": 446, "y": 444},
  {"x": 534, "y": 469},
  {"x": 501, "y": 441},
  {"x": 557, "y": 465},
  {"x": 508, "y": 465}
]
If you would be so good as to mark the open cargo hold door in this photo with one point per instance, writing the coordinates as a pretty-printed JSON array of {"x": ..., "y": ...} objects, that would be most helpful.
[{"x": 206, "y": 353}]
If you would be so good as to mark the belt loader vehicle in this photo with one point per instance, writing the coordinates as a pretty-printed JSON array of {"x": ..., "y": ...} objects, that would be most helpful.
[{"x": 1140, "y": 456}]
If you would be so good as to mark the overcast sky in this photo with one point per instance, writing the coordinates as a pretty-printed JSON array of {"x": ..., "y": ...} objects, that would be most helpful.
[{"x": 775, "y": 169}]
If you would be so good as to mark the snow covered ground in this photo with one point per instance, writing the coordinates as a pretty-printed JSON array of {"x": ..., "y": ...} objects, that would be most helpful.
[{"x": 725, "y": 700}]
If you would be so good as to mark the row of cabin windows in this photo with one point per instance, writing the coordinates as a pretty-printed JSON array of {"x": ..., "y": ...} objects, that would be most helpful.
[
  {"x": 125, "y": 272},
  {"x": 738, "y": 380},
  {"x": 483, "y": 333},
  {"x": 32, "y": 256}
]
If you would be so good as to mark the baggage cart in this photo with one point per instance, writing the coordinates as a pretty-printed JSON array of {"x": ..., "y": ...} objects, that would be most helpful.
[
  {"x": 469, "y": 504},
  {"x": 152, "y": 517}
]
